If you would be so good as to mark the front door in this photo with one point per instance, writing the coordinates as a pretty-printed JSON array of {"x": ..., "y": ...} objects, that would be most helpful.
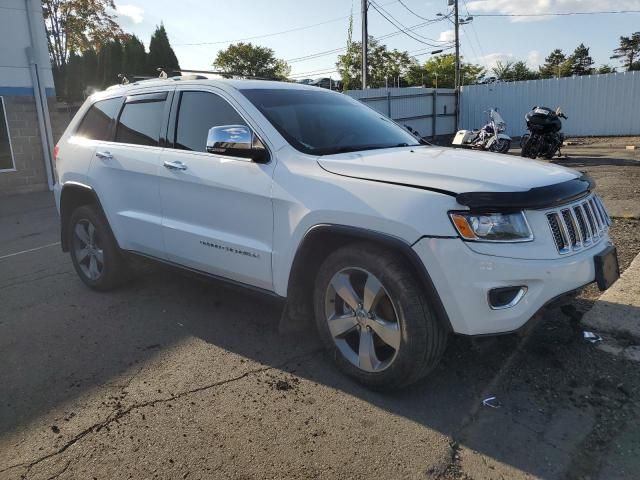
[{"x": 217, "y": 210}]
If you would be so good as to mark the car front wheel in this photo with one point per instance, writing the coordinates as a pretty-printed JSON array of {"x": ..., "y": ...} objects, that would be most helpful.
[{"x": 372, "y": 313}]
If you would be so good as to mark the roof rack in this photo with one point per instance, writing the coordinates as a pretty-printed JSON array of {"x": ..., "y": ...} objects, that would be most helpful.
[{"x": 224, "y": 74}]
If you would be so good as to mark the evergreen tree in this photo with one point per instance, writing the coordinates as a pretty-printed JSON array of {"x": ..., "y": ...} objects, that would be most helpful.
[
  {"x": 629, "y": 52},
  {"x": 556, "y": 65},
  {"x": 161, "y": 55},
  {"x": 110, "y": 59},
  {"x": 74, "y": 82},
  {"x": 581, "y": 61},
  {"x": 134, "y": 56},
  {"x": 90, "y": 69},
  {"x": 605, "y": 69}
]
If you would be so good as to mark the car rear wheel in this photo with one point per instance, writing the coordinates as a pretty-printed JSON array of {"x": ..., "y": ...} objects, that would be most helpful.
[
  {"x": 373, "y": 315},
  {"x": 94, "y": 251}
]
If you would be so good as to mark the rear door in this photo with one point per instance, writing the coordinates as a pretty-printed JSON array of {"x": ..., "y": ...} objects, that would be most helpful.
[
  {"x": 218, "y": 214},
  {"x": 125, "y": 172}
]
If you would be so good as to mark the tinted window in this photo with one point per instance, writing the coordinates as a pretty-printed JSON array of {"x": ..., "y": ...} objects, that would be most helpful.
[
  {"x": 140, "y": 122},
  {"x": 321, "y": 122},
  {"x": 96, "y": 122},
  {"x": 6, "y": 159},
  {"x": 199, "y": 111}
]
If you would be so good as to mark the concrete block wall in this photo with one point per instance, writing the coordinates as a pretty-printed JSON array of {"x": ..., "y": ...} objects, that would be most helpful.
[{"x": 30, "y": 174}]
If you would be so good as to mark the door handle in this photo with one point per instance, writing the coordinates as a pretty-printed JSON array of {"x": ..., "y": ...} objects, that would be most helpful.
[
  {"x": 174, "y": 165},
  {"x": 104, "y": 155}
]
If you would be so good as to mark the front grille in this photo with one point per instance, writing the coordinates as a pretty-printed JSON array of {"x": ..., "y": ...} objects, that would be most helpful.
[{"x": 579, "y": 225}]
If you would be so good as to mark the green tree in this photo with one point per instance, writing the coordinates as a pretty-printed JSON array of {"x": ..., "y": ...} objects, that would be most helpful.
[
  {"x": 251, "y": 60},
  {"x": 110, "y": 58},
  {"x": 76, "y": 26},
  {"x": 605, "y": 69},
  {"x": 161, "y": 55},
  {"x": 440, "y": 71},
  {"x": 514, "y": 71},
  {"x": 347, "y": 79},
  {"x": 134, "y": 56},
  {"x": 74, "y": 81},
  {"x": 556, "y": 65},
  {"x": 629, "y": 52},
  {"x": 581, "y": 61},
  {"x": 386, "y": 67}
]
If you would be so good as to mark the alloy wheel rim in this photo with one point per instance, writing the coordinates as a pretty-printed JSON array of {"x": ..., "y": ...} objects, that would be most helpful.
[
  {"x": 362, "y": 319},
  {"x": 87, "y": 250}
]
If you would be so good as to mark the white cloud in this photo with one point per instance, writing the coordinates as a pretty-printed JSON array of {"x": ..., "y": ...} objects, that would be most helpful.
[
  {"x": 547, "y": 6},
  {"x": 490, "y": 60},
  {"x": 132, "y": 12},
  {"x": 534, "y": 59},
  {"x": 447, "y": 36}
]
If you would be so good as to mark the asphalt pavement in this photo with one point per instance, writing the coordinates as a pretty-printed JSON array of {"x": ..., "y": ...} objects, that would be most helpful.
[{"x": 173, "y": 376}]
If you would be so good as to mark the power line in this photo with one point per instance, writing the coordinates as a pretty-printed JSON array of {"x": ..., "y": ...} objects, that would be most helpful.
[
  {"x": 413, "y": 53},
  {"x": 273, "y": 34},
  {"x": 341, "y": 49},
  {"x": 549, "y": 14},
  {"x": 403, "y": 28},
  {"x": 411, "y": 11}
]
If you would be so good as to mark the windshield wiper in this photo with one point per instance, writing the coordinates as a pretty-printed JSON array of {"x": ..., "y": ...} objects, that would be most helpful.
[{"x": 357, "y": 148}]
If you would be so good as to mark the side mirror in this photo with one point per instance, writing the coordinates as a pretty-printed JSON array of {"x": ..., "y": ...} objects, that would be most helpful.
[{"x": 236, "y": 141}]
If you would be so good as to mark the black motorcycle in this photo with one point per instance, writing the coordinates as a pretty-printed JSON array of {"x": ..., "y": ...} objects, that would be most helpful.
[{"x": 544, "y": 138}]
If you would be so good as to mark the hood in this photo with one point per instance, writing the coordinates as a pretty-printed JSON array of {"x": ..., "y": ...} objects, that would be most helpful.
[{"x": 448, "y": 170}]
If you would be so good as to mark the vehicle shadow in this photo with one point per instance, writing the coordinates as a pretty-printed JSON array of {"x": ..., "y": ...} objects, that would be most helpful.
[{"x": 86, "y": 343}]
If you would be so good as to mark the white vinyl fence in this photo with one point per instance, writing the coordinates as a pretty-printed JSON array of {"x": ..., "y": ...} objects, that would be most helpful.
[
  {"x": 429, "y": 111},
  {"x": 595, "y": 104}
]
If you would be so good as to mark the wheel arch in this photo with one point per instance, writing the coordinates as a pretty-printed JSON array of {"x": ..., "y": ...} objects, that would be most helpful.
[
  {"x": 72, "y": 196},
  {"x": 318, "y": 242}
]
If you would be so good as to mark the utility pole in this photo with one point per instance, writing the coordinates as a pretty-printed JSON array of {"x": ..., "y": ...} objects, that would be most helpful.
[
  {"x": 365, "y": 38},
  {"x": 456, "y": 22},
  {"x": 457, "y": 75}
]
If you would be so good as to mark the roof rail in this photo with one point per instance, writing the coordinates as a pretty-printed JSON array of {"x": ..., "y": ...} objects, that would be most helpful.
[{"x": 224, "y": 74}]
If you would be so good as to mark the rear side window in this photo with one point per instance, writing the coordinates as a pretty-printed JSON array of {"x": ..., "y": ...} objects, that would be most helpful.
[
  {"x": 140, "y": 122},
  {"x": 95, "y": 124},
  {"x": 198, "y": 112}
]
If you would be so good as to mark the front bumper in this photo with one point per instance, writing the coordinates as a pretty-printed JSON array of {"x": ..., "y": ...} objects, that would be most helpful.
[{"x": 463, "y": 279}]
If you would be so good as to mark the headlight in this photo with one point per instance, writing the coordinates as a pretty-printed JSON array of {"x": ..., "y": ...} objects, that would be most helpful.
[{"x": 492, "y": 227}]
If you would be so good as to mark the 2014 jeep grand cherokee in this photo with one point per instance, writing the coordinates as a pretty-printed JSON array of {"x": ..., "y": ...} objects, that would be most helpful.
[{"x": 306, "y": 194}]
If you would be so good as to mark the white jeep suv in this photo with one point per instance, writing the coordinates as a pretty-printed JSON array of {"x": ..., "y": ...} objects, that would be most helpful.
[{"x": 310, "y": 196}]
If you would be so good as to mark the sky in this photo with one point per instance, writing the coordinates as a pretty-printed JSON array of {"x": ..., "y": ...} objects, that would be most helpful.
[{"x": 198, "y": 29}]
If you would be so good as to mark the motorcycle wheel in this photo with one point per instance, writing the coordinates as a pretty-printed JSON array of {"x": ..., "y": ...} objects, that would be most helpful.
[
  {"x": 527, "y": 149},
  {"x": 524, "y": 138},
  {"x": 506, "y": 145}
]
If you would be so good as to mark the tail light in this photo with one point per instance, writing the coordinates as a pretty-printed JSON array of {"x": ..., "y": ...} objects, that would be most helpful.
[{"x": 56, "y": 149}]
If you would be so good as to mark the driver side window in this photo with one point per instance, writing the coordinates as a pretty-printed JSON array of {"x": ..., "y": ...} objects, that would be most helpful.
[{"x": 197, "y": 113}]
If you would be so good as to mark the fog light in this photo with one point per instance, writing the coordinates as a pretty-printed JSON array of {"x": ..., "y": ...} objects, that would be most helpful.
[{"x": 505, "y": 297}]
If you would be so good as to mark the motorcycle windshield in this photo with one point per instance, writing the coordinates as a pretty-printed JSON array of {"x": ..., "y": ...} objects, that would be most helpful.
[{"x": 497, "y": 118}]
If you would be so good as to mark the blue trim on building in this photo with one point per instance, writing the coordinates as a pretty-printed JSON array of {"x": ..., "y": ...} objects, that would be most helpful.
[{"x": 23, "y": 91}]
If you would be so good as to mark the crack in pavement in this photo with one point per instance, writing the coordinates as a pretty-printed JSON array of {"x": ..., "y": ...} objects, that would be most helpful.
[{"x": 119, "y": 413}]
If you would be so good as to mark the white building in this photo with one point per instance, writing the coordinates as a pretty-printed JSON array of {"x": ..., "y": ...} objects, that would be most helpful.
[{"x": 26, "y": 94}]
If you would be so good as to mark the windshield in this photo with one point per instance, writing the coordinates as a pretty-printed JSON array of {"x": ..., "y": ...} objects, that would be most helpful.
[{"x": 319, "y": 122}]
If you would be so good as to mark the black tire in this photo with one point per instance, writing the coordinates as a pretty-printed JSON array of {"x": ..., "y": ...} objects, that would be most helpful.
[
  {"x": 422, "y": 338},
  {"x": 113, "y": 271}
]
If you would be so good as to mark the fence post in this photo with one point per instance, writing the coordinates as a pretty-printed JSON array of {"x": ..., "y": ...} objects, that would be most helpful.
[
  {"x": 434, "y": 114},
  {"x": 388, "y": 103}
]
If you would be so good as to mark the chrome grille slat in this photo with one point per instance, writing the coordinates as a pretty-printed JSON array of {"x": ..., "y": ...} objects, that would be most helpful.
[
  {"x": 579, "y": 225},
  {"x": 598, "y": 216},
  {"x": 575, "y": 221}
]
